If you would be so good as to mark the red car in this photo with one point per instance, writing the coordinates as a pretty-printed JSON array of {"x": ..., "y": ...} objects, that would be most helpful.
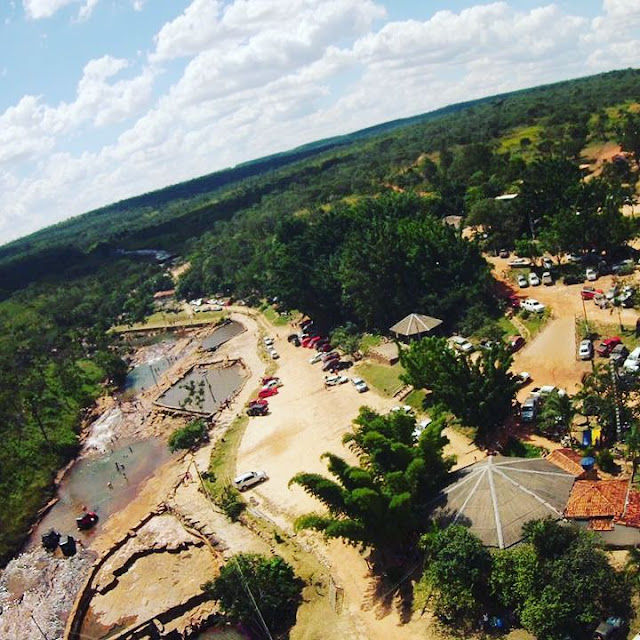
[
  {"x": 325, "y": 347},
  {"x": 305, "y": 341},
  {"x": 514, "y": 301},
  {"x": 514, "y": 343},
  {"x": 589, "y": 293},
  {"x": 313, "y": 341},
  {"x": 605, "y": 348},
  {"x": 267, "y": 392}
]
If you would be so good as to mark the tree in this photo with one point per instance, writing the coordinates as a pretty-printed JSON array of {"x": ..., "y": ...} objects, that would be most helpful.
[
  {"x": 457, "y": 567},
  {"x": 559, "y": 582},
  {"x": 557, "y": 414},
  {"x": 489, "y": 387},
  {"x": 382, "y": 502},
  {"x": 188, "y": 436},
  {"x": 263, "y": 593}
]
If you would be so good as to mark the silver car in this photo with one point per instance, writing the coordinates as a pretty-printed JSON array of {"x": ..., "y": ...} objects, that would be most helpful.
[{"x": 247, "y": 480}]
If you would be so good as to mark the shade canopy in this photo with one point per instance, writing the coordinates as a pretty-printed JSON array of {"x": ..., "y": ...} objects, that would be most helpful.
[
  {"x": 497, "y": 496},
  {"x": 415, "y": 324}
]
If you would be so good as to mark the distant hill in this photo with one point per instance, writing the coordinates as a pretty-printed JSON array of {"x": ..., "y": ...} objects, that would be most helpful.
[{"x": 334, "y": 167}]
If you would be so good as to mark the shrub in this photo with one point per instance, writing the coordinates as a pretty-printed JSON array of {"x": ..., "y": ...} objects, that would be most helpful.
[
  {"x": 188, "y": 436},
  {"x": 230, "y": 502}
]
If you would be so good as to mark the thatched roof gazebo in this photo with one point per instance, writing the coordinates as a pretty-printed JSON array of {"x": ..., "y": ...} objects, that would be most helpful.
[
  {"x": 415, "y": 325},
  {"x": 496, "y": 496}
]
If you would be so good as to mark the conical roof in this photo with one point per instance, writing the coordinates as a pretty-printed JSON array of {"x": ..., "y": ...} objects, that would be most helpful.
[
  {"x": 415, "y": 324},
  {"x": 496, "y": 496}
]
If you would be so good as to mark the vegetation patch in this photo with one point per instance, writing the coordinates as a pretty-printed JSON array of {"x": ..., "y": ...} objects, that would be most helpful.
[
  {"x": 383, "y": 378},
  {"x": 189, "y": 436}
]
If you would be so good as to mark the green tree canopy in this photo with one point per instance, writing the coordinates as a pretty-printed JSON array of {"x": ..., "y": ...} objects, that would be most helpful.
[
  {"x": 380, "y": 503},
  {"x": 489, "y": 387},
  {"x": 263, "y": 593}
]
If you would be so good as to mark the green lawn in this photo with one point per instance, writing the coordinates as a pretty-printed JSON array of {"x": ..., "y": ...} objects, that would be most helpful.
[
  {"x": 507, "y": 326},
  {"x": 535, "y": 322},
  {"x": 162, "y": 319},
  {"x": 416, "y": 399},
  {"x": 369, "y": 341},
  {"x": 382, "y": 377},
  {"x": 276, "y": 318}
]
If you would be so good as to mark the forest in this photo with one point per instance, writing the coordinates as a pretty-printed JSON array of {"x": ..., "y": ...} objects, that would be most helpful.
[{"x": 347, "y": 229}]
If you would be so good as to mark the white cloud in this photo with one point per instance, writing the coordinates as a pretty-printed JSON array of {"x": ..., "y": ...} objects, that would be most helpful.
[{"x": 261, "y": 77}]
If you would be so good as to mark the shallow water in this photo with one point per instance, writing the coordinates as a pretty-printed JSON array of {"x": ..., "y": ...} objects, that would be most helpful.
[
  {"x": 221, "y": 335},
  {"x": 204, "y": 389},
  {"x": 146, "y": 375},
  {"x": 87, "y": 485}
]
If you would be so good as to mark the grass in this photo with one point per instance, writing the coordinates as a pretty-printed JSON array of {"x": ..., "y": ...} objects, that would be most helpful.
[
  {"x": 276, "y": 318},
  {"x": 608, "y": 329},
  {"x": 511, "y": 141},
  {"x": 534, "y": 322},
  {"x": 507, "y": 326},
  {"x": 369, "y": 341},
  {"x": 416, "y": 399},
  {"x": 383, "y": 378},
  {"x": 223, "y": 457},
  {"x": 162, "y": 319}
]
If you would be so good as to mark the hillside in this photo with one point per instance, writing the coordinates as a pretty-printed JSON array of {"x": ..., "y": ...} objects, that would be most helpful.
[
  {"x": 348, "y": 230},
  {"x": 570, "y": 112}
]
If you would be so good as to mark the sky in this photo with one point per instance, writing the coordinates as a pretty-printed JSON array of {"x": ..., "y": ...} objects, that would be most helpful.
[{"x": 101, "y": 100}]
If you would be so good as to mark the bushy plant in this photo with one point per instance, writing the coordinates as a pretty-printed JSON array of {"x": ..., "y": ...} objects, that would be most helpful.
[{"x": 188, "y": 436}]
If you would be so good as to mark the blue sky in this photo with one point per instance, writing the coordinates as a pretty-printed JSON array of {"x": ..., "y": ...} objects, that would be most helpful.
[{"x": 104, "y": 99}]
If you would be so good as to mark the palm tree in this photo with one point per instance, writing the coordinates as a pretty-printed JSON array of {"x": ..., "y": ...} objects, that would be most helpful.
[{"x": 557, "y": 414}]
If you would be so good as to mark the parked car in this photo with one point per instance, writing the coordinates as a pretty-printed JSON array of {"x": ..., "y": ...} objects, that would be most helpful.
[
  {"x": 613, "y": 628},
  {"x": 294, "y": 339},
  {"x": 522, "y": 281},
  {"x": 618, "y": 355},
  {"x": 312, "y": 341},
  {"x": 514, "y": 301},
  {"x": 529, "y": 409},
  {"x": 532, "y": 305},
  {"x": 585, "y": 350},
  {"x": 514, "y": 343},
  {"x": 255, "y": 409},
  {"x": 315, "y": 358},
  {"x": 547, "y": 263},
  {"x": 305, "y": 341},
  {"x": 267, "y": 392},
  {"x": 612, "y": 293},
  {"x": 267, "y": 341},
  {"x": 332, "y": 355},
  {"x": 534, "y": 281},
  {"x": 632, "y": 363},
  {"x": 325, "y": 347},
  {"x": 272, "y": 383},
  {"x": 591, "y": 274},
  {"x": 588, "y": 293},
  {"x": 523, "y": 378},
  {"x": 520, "y": 262},
  {"x": 420, "y": 427},
  {"x": 607, "y": 346},
  {"x": 574, "y": 257},
  {"x": 545, "y": 390},
  {"x": 273, "y": 353},
  {"x": 360, "y": 385},
  {"x": 547, "y": 278},
  {"x": 461, "y": 344},
  {"x": 624, "y": 267},
  {"x": 332, "y": 381},
  {"x": 328, "y": 365},
  {"x": 504, "y": 253},
  {"x": 248, "y": 479},
  {"x": 625, "y": 299}
]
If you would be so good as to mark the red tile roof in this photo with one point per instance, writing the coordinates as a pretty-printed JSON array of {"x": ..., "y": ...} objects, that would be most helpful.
[
  {"x": 597, "y": 499},
  {"x": 568, "y": 460},
  {"x": 631, "y": 515}
]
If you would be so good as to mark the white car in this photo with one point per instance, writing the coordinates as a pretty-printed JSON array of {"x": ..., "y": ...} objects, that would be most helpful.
[
  {"x": 333, "y": 381},
  {"x": 273, "y": 353},
  {"x": 585, "y": 350},
  {"x": 545, "y": 390},
  {"x": 547, "y": 262},
  {"x": 522, "y": 281},
  {"x": 360, "y": 385},
  {"x": 316, "y": 358},
  {"x": 275, "y": 382},
  {"x": 632, "y": 363},
  {"x": 420, "y": 427},
  {"x": 247, "y": 480},
  {"x": 533, "y": 306},
  {"x": 405, "y": 408},
  {"x": 461, "y": 344},
  {"x": 591, "y": 274},
  {"x": 267, "y": 341},
  {"x": 547, "y": 278},
  {"x": 520, "y": 262},
  {"x": 534, "y": 281}
]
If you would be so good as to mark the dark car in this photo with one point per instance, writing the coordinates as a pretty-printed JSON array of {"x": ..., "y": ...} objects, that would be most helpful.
[
  {"x": 328, "y": 365},
  {"x": 258, "y": 408},
  {"x": 294, "y": 339},
  {"x": 514, "y": 343},
  {"x": 611, "y": 629},
  {"x": 331, "y": 355},
  {"x": 607, "y": 346},
  {"x": 618, "y": 354}
]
